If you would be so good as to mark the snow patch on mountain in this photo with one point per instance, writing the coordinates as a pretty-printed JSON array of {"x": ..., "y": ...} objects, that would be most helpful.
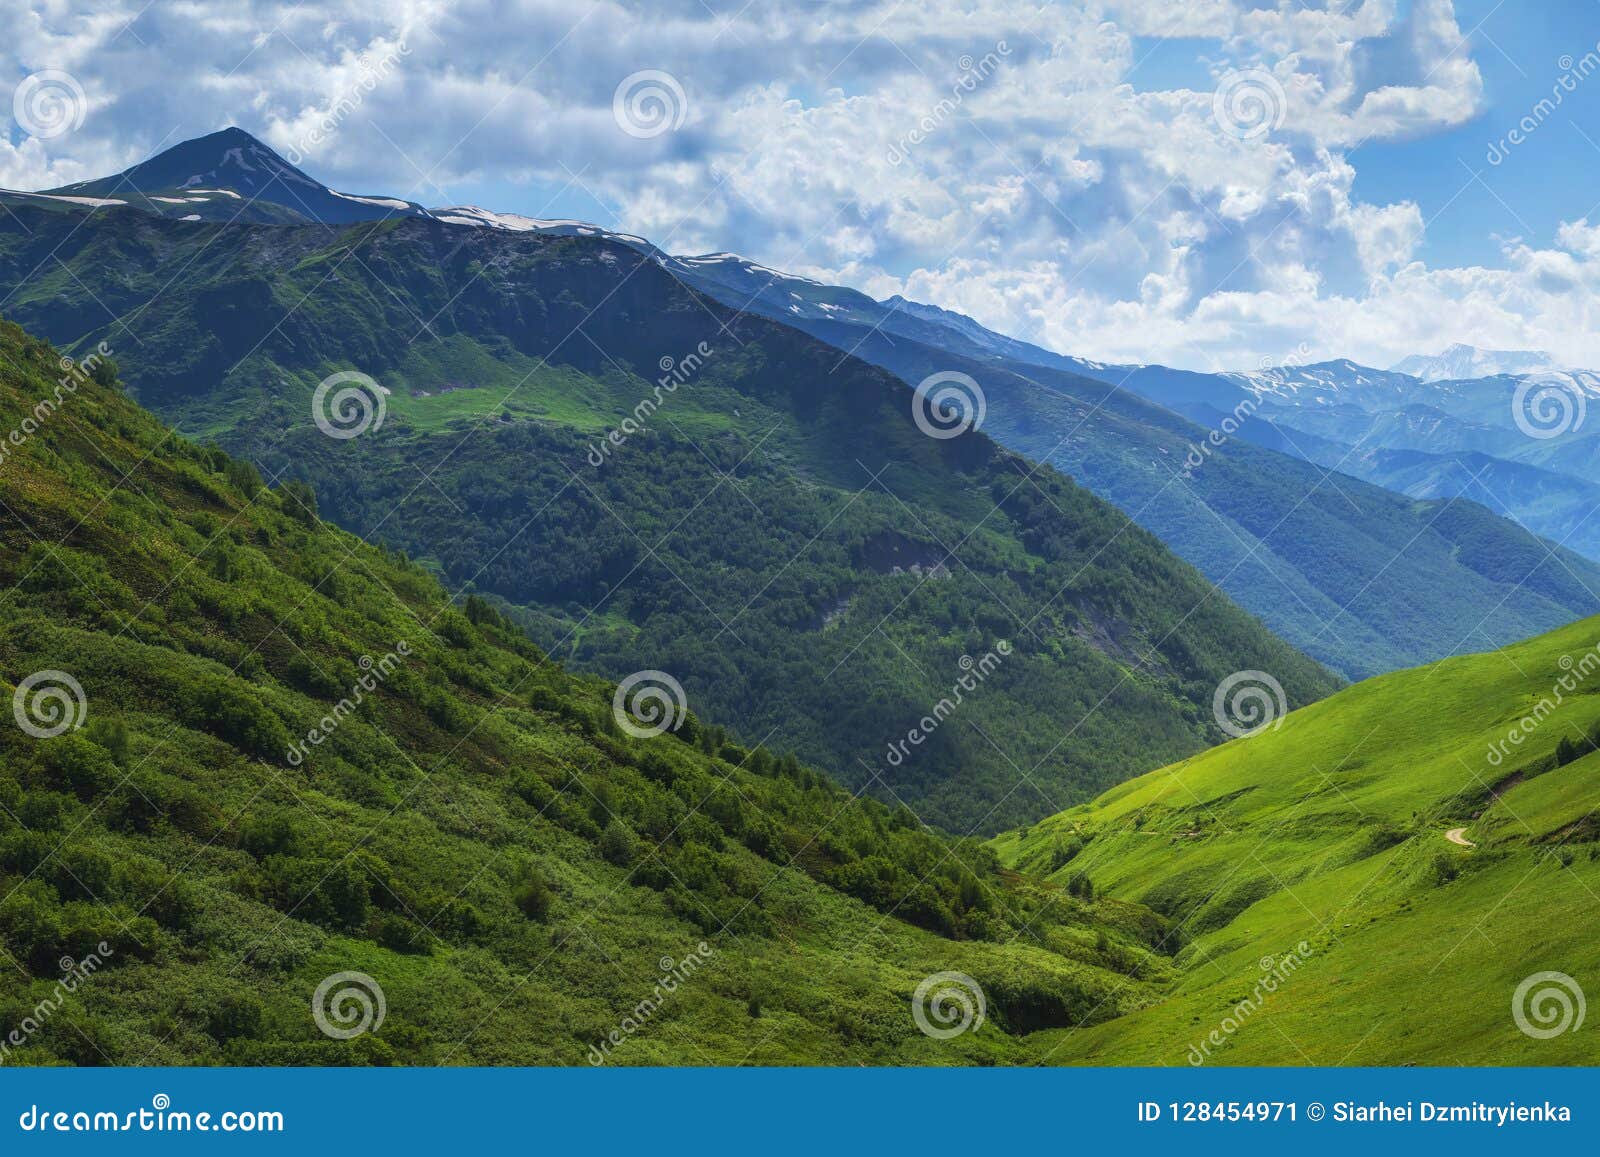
[
  {"x": 1461, "y": 361},
  {"x": 516, "y": 223}
]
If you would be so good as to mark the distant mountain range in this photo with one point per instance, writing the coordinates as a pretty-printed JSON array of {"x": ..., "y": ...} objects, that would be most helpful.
[
  {"x": 1363, "y": 577},
  {"x": 647, "y": 480},
  {"x": 1524, "y": 446}
]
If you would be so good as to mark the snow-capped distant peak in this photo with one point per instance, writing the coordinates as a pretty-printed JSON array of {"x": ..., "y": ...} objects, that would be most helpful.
[
  {"x": 231, "y": 163},
  {"x": 1461, "y": 362}
]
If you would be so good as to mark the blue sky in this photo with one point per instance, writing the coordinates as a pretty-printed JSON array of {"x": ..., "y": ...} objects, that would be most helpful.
[
  {"x": 1518, "y": 48},
  {"x": 1209, "y": 183}
]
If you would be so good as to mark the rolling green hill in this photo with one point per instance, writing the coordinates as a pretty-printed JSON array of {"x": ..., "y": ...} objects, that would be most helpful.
[
  {"x": 283, "y": 757},
  {"x": 775, "y": 530},
  {"x": 1324, "y": 842},
  {"x": 250, "y": 754}
]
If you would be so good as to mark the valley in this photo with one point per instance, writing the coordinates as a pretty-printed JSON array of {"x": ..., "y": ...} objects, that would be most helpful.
[
  {"x": 620, "y": 658},
  {"x": 713, "y": 542}
]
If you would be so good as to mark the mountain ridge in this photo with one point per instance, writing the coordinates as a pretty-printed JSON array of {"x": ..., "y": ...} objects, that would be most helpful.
[
  {"x": 799, "y": 468},
  {"x": 1055, "y": 406}
]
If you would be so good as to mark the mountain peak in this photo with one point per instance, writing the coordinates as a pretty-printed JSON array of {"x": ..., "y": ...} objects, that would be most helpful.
[
  {"x": 1461, "y": 361},
  {"x": 229, "y": 158},
  {"x": 231, "y": 135},
  {"x": 235, "y": 163}
]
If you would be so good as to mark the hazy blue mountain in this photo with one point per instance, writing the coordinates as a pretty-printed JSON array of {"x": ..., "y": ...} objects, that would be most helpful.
[{"x": 1464, "y": 361}]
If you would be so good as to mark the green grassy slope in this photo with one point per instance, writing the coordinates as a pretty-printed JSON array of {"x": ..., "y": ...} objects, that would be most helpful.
[
  {"x": 477, "y": 834},
  {"x": 1331, "y": 830},
  {"x": 747, "y": 540}
]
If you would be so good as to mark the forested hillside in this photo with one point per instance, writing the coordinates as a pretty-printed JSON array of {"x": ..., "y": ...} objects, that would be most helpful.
[
  {"x": 252, "y": 755},
  {"x": 774, "y": 529}
]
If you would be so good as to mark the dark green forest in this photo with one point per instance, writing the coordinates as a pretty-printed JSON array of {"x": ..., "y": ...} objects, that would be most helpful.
[
  {"x": 745, "y": 540},
  {"x": 474, "y": 831}
]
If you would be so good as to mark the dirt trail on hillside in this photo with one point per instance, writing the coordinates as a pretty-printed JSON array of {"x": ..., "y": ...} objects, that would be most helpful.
[{"x": 1459, "y": 836}]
